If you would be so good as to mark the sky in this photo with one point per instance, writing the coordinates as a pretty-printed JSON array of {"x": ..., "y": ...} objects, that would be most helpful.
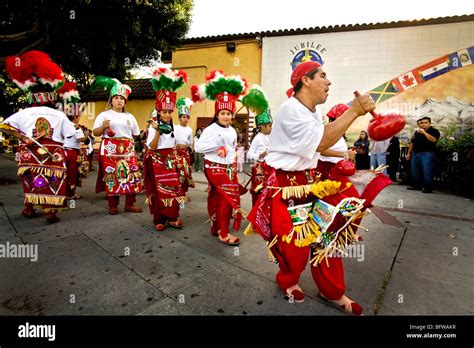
[{"x": 217, "y": 17}]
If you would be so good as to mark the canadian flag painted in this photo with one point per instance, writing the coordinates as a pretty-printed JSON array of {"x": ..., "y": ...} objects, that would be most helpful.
[{"x": 406, "y": 81}]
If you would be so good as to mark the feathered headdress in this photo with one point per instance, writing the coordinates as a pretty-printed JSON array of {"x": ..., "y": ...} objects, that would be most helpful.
[
  {"x": 184, "y": 106},
  {"x": 114, "y": 86},
  {"x": 166, "y": 82},
  {"x": 225, "y": 90},
  {"x": 257, "y": 101},
  {"x": 34, "y": 71},
  {"x": 70, "y": 95}
]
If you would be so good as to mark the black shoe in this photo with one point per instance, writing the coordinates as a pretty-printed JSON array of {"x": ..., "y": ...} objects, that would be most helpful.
[
  {"x": 427, "y": 191},
  {"x": 413, "y": 188}
]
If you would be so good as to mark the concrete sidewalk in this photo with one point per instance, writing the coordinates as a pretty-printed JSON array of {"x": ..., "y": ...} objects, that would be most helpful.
[{"x": 417, "y": 259}]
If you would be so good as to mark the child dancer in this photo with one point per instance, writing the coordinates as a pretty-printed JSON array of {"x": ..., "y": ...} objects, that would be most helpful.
[
  {"x": 218, "y": 142},
  {"x": 119, "y": 173},
  {"x": 162, "y": 184},
  {"x": 184, "y": 141}
]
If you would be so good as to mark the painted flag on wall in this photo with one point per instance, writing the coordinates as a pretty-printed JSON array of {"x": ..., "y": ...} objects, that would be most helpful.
[
  {"x": 461, "y": 58},
  {"x": 434, "y": 68},
  {"x": 383, "y": 92},
  {"x": 407, "y": 81}
]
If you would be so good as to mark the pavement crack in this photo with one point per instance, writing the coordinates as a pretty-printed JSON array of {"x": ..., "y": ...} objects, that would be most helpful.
[{"x": 386, "y": 279}]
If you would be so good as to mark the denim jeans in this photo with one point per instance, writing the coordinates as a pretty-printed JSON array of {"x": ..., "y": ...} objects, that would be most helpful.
[
  {"x": 377, "y": 159},
  {"x": 422, "y": 162}
]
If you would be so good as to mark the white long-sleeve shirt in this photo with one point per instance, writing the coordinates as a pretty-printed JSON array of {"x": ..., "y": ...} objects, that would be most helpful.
[
  {"x": 295, "y": 136},
  {"x": 183, "y": 135},
  {"x": 27, "y": 120},
  {"x": 339, "y": 146},
  {"x": 124, "y": 124},
  {"x": 213, "y": 137},
  {"x": 258, "y": 146},
  {"x": 166, "y": 141}
]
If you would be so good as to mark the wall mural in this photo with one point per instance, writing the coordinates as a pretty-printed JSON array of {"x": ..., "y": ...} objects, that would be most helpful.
[{"x": 442, "y": 89}]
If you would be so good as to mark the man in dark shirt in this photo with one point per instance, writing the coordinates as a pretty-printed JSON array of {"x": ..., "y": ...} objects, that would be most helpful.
[{"x": 421, "y": 154}]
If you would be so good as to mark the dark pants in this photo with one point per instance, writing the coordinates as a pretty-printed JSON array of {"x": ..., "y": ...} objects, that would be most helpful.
[{"x": 422, "y": 166}]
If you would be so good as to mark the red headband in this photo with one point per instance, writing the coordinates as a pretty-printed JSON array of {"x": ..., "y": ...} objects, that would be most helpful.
[{"x": 301, "y": 70}]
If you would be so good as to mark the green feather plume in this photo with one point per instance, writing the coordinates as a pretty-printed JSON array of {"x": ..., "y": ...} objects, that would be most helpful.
[
  {"x": 222, "y": 84},
  {"x": 104, "y": 83},
  {"x": 256, "y": 100},
  {"x": 167, "y": 84}
]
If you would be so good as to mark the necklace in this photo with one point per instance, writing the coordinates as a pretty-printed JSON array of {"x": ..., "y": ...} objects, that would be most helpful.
[{"x": 313, "y": 111}]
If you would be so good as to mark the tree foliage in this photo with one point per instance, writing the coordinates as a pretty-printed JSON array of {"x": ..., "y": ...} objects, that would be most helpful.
[{"x": 94, "y": 37}]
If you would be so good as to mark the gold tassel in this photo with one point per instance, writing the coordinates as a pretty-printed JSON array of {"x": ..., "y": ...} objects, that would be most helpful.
[
  {"x": 167, "y": 202},
  {"x": 348, "y": 184},
  {"x": 270, "y": 245},
  {"x": 307, "y": 233},
  {"x": 287, "y": 238},
  {"x": 248, "y": 230}
]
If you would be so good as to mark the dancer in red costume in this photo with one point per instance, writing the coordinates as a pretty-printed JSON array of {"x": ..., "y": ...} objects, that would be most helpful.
[
  {"x": 119, "y": 173},
  {"x": 184, "y": 141},
  {"x": 42, "y": 130},
  {"x": 337, "y": 163},
  {"x": 218, "y": 142},
  {"x": 164, "y": 191},
  {"x": 72, "y": 145},
  {"x": 257, "y": 101},
  {"x": 281, "y": 215}
]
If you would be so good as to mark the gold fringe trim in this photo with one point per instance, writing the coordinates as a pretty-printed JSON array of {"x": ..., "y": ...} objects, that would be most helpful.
[
  {"x": 320, "y": 189},
  {"x": 306, "y": 234},
  {"x": 182, "y": 199},
  {"x": 325, "y": 188},
  {"x": 42, "y": 170},
  {"x": 299, "y": 191},
  {"x": 168, "y": 202},
  {"x": 44, "y": 199}
]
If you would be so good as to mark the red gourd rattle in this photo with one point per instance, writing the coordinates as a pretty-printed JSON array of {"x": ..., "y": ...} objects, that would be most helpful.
[
  {"x": 383, "y": 127},
  {"x": 346, "y": 168}
]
